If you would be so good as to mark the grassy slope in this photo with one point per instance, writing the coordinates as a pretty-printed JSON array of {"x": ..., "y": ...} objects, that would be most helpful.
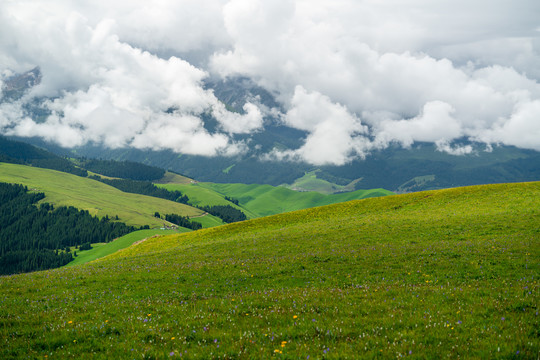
[
  {"x": 98, "y": 198},
  {"x": 433, "y": 274},
  {"x": 263, "y": 200},
  {"x": 310, "y": 182},
  {"x": 103, "y": 249},
  {"x": 172, "y": 178},
  {"x": 200, "y": 195}
]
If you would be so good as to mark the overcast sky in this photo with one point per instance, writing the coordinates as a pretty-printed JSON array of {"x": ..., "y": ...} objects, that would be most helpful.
[{"x": 355, "y": 75}]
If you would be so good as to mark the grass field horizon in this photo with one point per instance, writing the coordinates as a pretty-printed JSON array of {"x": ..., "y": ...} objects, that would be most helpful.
[{"x": 447, "y": 273}]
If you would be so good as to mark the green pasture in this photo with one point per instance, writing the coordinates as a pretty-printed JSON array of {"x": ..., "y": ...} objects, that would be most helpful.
[
  {"x": 200, "y": 195},
  {"x": 99, "y": 199},
  {"x": 439, "y": 274},
  {"x": 208, "y": 220},
  {"x": 263, "y": 200}
]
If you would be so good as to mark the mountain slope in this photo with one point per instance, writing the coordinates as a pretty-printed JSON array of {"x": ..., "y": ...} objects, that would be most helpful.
[
  {"x": 63, "y": 189},
  {"x": 264, "y": 200},
  {"x": 431, "y": 274},
  {"x": 17, "y": 152}
]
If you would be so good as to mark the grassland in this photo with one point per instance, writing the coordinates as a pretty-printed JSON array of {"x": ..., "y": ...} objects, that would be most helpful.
[
  {"x": 99, "y": 199},
  {"x": 263, "y": 200},
  {"x": 450, "y": 273}
]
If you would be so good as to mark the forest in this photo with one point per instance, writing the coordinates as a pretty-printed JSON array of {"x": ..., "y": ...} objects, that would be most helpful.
[
  {"x": 39, "y": 237},
  {"x": 123, "y": 169},
  {"x": 182, "y": 221},
  {"x": 17, "y": 152},
  {"x": 227, "y": 213}
]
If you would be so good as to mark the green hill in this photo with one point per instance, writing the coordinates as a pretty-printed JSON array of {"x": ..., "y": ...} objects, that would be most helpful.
[
  {"x": 172, "y": 178},
  {"x": 99, "y": 199},
  {"x": 263, "y": 200},
  {"x": 450, "y": 273}
]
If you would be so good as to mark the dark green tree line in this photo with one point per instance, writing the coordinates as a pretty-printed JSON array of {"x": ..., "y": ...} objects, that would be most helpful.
[
  {"x": 227, "y": 213},
  {"x": 17, "y": 152},
  {"x": 183, "y": 221},
  {"x": 123, "y": 169},
  {"x": 35, "y": 238}
]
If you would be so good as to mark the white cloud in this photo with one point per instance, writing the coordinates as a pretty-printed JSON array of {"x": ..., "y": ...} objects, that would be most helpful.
[
  {"x": 521, "y": 129},
  {"x": 444, "y": 146},
  {"x": 182, "y": 134},
  {"x": 434, "y": 124},
  {"x": 235, "y": 123},
  {"x": 108, "y": 92},
  {"x": 335, "y": 135},
  {"x": 411, "y": 70},
  {"x": 393, "y": 64}
]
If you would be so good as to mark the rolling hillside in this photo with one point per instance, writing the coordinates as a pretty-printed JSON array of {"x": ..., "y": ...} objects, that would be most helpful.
[
  {"x": 100, "y": 250},
  {"x": 263, "y": 200},
  {"x": 99, "y": 199},
  {"x": 450, "y": 273}
]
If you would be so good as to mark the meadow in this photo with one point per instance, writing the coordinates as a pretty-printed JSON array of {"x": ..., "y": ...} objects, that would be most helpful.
[
  {"x": 437, "y": 274},
  {"x": 62, "y": 189}
]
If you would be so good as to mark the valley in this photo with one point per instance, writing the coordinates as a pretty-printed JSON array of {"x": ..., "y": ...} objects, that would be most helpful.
[{"x": 171, "y": 201}]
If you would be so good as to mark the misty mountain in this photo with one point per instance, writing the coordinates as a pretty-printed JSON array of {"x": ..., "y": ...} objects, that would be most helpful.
[
  {"x": 395, "y": 168},
  {"x": 16, "y": 85}
]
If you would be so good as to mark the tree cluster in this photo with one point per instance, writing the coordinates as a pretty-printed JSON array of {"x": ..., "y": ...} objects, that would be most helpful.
[
  {"x": 38, "y": 238},
  {"x": 233, "y": 200},
  {"x": 183, "y": 221},
  {"x": 227, "y": 213},
  {"x": 124, "y": 169}
]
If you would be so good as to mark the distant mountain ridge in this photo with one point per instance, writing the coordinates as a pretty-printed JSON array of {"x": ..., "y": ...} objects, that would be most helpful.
[{"x": 421, "y": 167}]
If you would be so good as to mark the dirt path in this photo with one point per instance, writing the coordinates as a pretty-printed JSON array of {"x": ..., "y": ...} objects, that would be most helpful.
[{"x": 198, "y": 216}]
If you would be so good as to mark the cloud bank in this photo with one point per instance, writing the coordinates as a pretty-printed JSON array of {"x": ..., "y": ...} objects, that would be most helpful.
[{"x": 356, "y": 76}]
